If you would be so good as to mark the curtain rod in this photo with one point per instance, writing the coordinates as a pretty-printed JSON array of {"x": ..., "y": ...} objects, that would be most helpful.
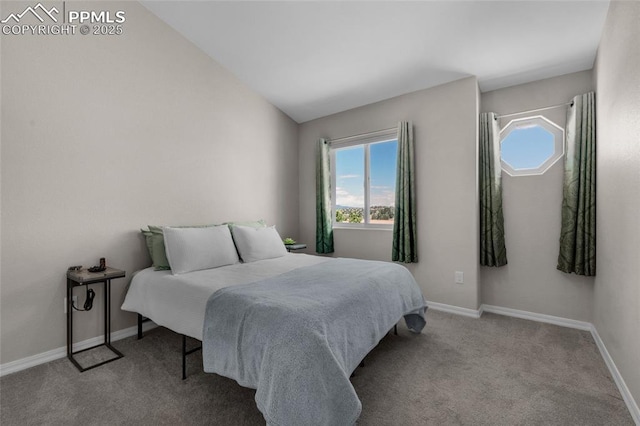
[
  {"x": 534, "y": 110},
  {"x": 362, "y": 135}
]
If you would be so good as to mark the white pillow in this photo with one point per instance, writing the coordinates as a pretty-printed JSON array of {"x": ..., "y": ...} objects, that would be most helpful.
[
  {"x": 193, "y": 249},
  {"x": 258, "y": 243}
]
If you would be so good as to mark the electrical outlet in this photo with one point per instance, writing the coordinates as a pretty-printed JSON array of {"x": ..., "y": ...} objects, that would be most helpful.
[
  {"x": 75, "y": 303},
  {"x": 459, "y": 277}
]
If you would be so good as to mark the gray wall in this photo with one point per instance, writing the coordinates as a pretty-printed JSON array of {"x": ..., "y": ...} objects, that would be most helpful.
[
  {"x": 445, "y": 124},
  {"x": 617, "y": 287},
  {"x": 104, "y": 135},
  {"x": 532, "y": 205}
]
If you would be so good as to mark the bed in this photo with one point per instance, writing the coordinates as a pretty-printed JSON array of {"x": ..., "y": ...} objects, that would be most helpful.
[
  {"x": 178, "y": 302},
  {"x": 292, "y": 327}
]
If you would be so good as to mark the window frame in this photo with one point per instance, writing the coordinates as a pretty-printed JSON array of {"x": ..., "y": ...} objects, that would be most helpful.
[
  {"x": 538, "y": 120},
  {"x": 366, "y": 141}
]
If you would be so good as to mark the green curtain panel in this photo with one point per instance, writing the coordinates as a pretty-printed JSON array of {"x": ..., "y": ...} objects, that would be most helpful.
[
  {"x": 324, "y": 222},
  {"x": 405, "y": 241},
  {"x": 578, "y": 234},
  {"x": 493, "y": 251}
]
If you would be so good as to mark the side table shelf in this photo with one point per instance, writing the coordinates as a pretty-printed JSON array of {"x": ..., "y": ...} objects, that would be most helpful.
[{"x": 84, "y": 278}]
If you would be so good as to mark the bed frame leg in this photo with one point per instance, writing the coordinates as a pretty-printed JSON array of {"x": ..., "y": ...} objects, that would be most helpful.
[
  {"x": 395, "y": 329},
  {"x": 139, "y": 326},
  {"x": 186, "y": 352},
  {"x": 184, "y": 357}
]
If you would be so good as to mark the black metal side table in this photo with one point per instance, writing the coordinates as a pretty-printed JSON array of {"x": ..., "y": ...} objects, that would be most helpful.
[{"x": 81, "y": 278}]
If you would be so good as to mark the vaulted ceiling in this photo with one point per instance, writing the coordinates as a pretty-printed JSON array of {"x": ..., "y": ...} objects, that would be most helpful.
[{"x": 313, "y": 59}]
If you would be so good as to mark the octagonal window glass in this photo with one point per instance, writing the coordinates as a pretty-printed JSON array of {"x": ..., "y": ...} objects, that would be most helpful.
[{"x": 530, "y": 146}]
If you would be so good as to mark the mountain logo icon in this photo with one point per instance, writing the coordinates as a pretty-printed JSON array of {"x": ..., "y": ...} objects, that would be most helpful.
[{"x": 38, "y": 11}]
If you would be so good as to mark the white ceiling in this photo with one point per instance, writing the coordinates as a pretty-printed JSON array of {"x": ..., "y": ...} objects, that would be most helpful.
[{"x": 316, "y": 58}]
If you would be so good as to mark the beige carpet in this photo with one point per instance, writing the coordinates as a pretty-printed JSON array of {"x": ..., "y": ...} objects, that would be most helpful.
[{"x": 460, "y": 371}]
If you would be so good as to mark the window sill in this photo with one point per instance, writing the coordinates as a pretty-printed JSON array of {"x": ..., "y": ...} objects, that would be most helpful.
[{"x": 364, "y": 227}]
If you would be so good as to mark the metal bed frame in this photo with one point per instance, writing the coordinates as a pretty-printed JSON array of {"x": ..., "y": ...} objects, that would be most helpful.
[{"x": 186, "y": 352}]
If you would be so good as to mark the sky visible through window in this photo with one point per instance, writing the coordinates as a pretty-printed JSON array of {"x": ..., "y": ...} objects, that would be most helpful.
[
  {"x": 350, "y": 175},
  {"x": 527, "y": 147},
  {"x": 383, "y": 159}
]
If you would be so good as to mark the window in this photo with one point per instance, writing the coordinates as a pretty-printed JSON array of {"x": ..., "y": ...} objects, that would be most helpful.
[
  {"x": 530, "y": 146},
  {"x": 364, "y": 181}
]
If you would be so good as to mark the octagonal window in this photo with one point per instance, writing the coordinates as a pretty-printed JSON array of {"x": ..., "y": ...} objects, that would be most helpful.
[{"x": 530, "y": 146}]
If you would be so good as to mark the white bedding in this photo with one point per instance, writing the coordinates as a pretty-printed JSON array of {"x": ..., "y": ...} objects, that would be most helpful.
[{"x": 179, "y": 302}]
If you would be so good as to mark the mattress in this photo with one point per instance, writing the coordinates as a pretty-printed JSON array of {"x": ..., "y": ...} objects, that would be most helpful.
[{"x": 179, "y": 302}]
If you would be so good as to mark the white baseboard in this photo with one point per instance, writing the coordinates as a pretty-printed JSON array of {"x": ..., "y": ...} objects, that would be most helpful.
[
  {"x": 454, "y": 309},
  {"x": 53, "y": 354},
  {"x": 550, "y": 319},
  {"x": 615, "y": 373}
]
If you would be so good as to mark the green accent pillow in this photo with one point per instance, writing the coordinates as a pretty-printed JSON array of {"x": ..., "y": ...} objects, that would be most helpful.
[
  {"x": 155, "y": 245},
  {"x": 159, "y": 255}
]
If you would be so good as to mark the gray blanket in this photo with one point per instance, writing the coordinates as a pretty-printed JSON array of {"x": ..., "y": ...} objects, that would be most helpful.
[{"x": 296, "y": 338}]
